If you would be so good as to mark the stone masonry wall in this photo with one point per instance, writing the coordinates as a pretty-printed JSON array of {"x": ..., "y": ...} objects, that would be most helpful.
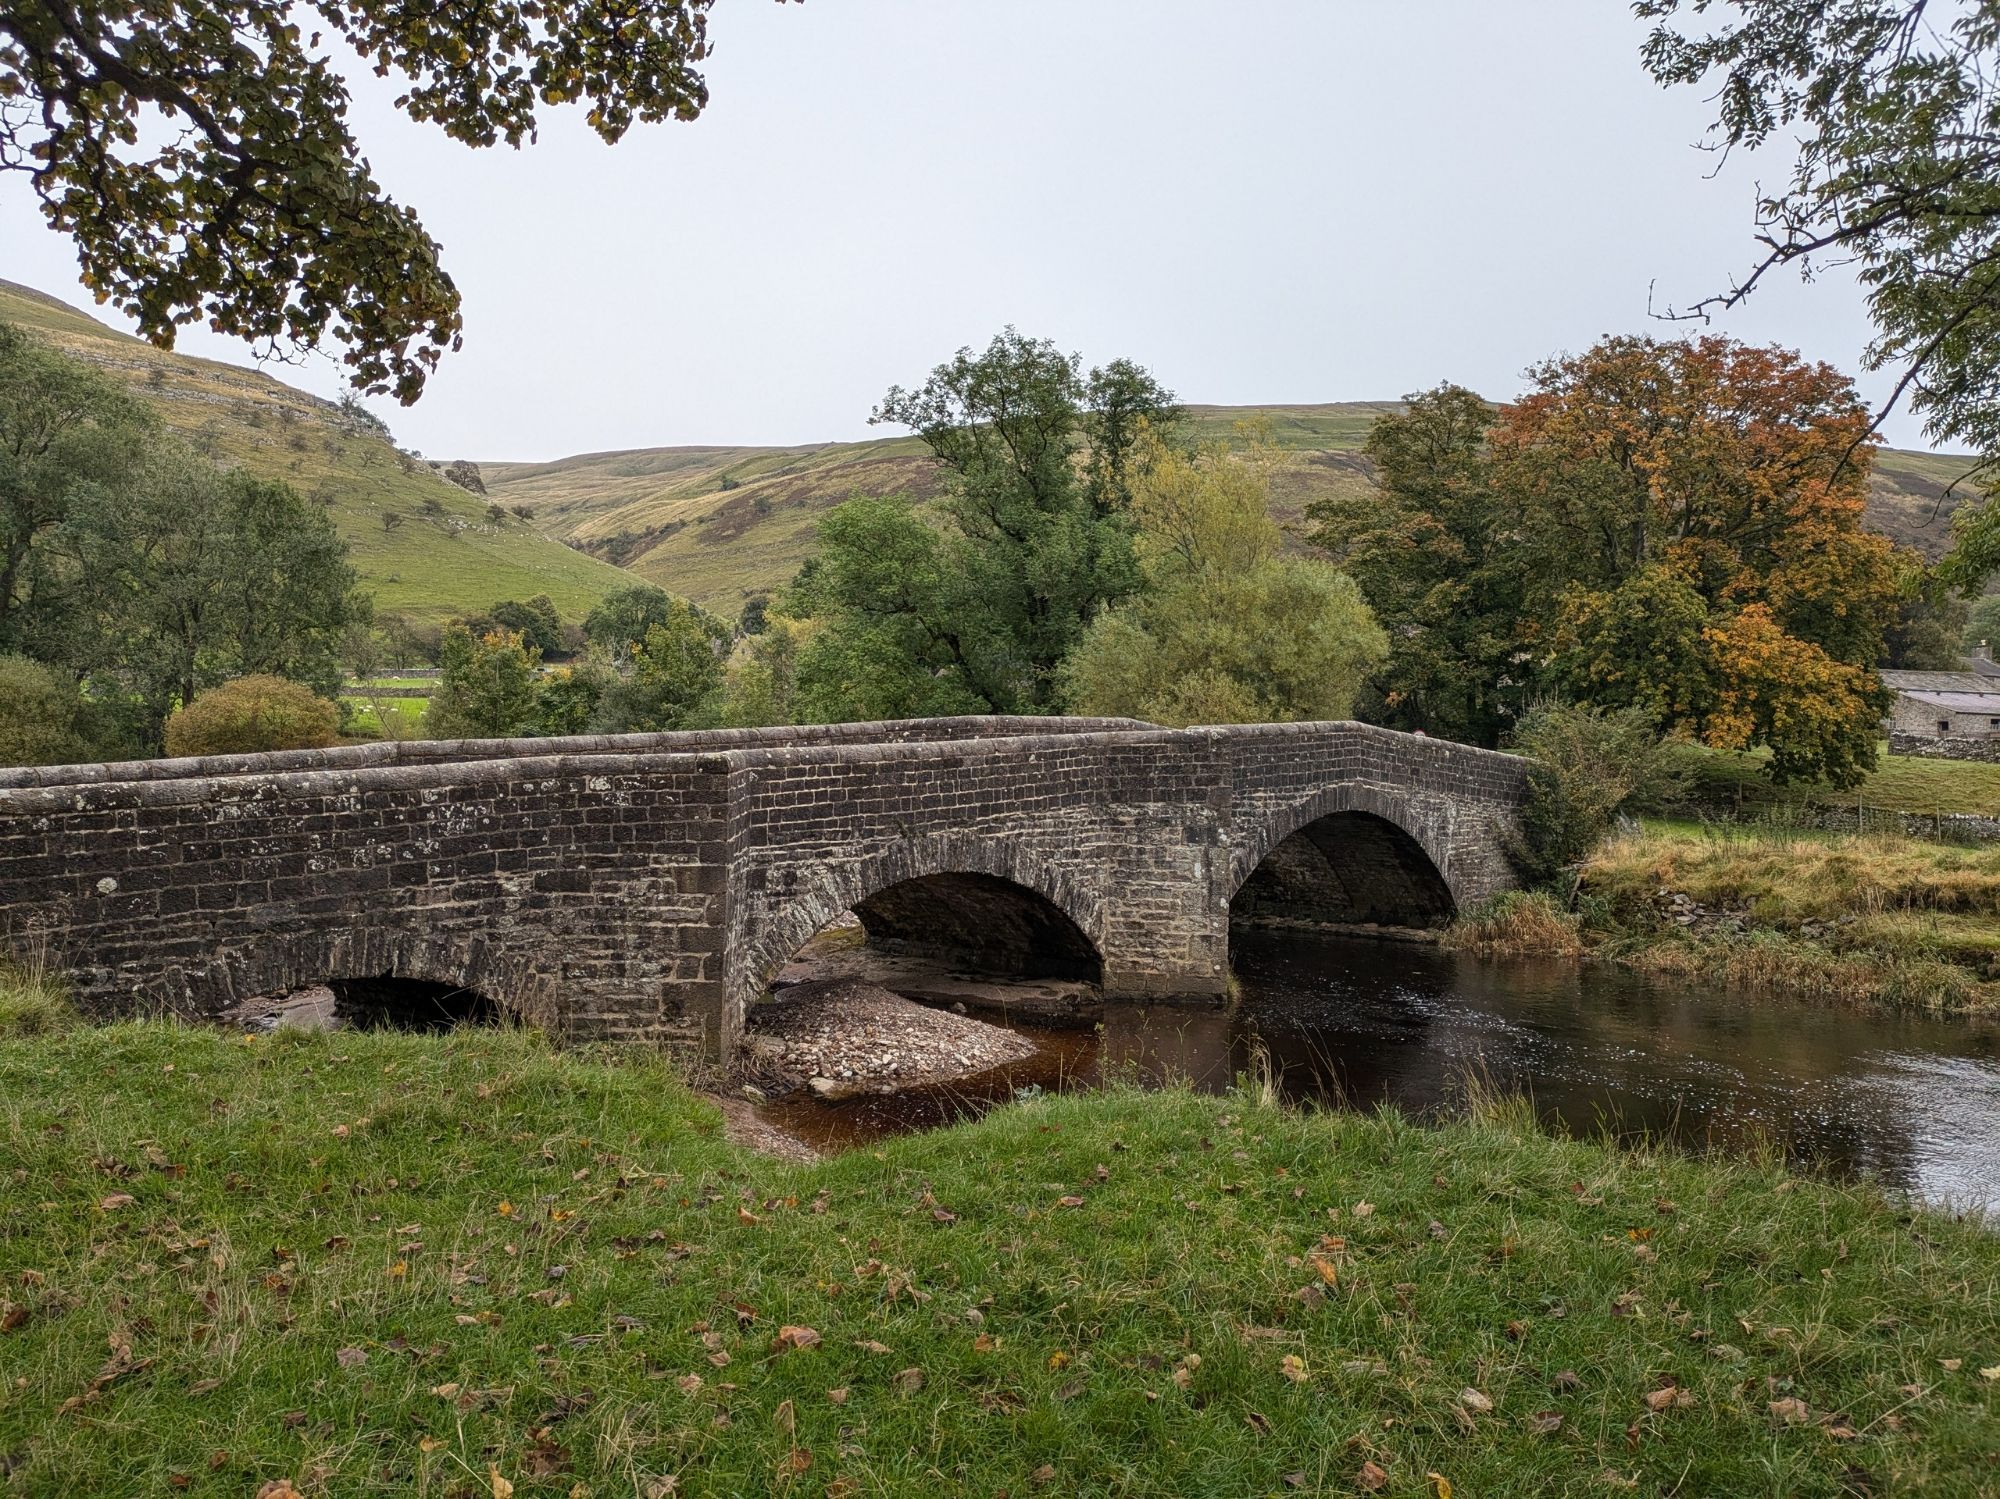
[
  {"x": 1984, "y": 747},
  {"x": 646, "y": 887}
]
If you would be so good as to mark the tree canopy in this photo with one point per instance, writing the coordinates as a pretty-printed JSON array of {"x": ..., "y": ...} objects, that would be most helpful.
[
  {"x": 972, "y": 608},
  {"x": 198, "y": 151},
  {"x": 1229, "y": 628},
  {"x": 1894, "y": 106},
  {"x": 1668, "y": 526}
]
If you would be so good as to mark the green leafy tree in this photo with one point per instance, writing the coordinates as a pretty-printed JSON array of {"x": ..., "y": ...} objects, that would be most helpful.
[
  {"x": 673, "y": 677},
  {"x": 42, "y": 716},
  {"x": 1891, "y": 110},
  {"x": 975, "y": 607},
  {"x": 1930, "y": 632},
  {"x": 486, "y": 686},
  {"x": 196, "y": 574},
  {"x": 251, "y": 715},
  {"x": 1229, "y": 629},
  {"x": 536, "y": 621},
  {"x": 620, "y": 619},
  {"x": 255, "y": 211},
  {"x": 1435, "y": 553},
  {"x": 566, "y": 699},
  {"x": 65, "y": 431},
  {"x": 760, "y": 679}
]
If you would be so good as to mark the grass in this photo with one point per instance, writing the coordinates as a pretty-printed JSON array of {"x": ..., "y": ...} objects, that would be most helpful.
[
  {"x": 388, "y": 1264},
  {"x": 1896, "y": 921},
  {"x": 31, "y": 1004},
  {"x": 1737, "y": 783},
  {"x": 443, "y": 556}
]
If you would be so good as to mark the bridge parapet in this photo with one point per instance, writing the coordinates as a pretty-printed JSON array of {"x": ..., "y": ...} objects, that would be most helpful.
[{"x": 646, "y": 887}]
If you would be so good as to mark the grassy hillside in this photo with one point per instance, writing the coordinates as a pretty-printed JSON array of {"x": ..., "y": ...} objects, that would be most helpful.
[
  {"x": 721, "y": 523},
  {"x": 433, "y": 564}
]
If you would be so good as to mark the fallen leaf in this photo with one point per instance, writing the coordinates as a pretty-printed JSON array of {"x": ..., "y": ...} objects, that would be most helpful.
[
  {"x": 747, "y": 1218},
  {"x": 1475, "y": 1400},
  {"x": 1545, "y": 1423},
  {"x": 1258, "y": 1422},
  {"x": 501, "y": 1488},
  {"x": 1440, "y": 1485},
  {"x": 786, "y": 1417},
  {"x": 837, "y": 1397},
  {"x": 909, "y": 1381},
  {"x": 984, "y": 1343},
  {"x": 943, "y": 1215},
  {"x": 1046, "y": 1473},
  {"x": 1371, "y": 1477},
  {"x": 869, "y": 1345},
  {"x": 1791, "y": 1410},
  {"x": 278, "y": 1488},
  {"x": 790, "y": 1336},
  {"x": 796, "y": 1461},
  {"x": 1293, "y": 1368},
  {"x": 349, "y": 1358},
  {"x": 1949, "y": 1365},
  {"x": 1363, "y": 1209},
  {"x": 1061, "y": 1202},
  {"x": 1660, "y": 1399},
  {"x": 1990, "y": 1373},
  {"x": 12, "y": 1315},
  {"x": 116, "y": 1200},
  {"x": 689, "y": 1384}
]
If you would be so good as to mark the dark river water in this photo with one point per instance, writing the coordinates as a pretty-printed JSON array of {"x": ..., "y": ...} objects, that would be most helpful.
[{"x": 1914, "y": 1103}]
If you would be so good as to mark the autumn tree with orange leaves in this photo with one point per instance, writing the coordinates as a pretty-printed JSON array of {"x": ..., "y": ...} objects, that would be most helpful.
[
  {"x": 1688, "y": 521},
  {"x": 1674, "y": 526}
]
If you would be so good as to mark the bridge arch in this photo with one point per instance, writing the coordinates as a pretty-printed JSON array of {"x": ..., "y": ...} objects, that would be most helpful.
[
  {"x": 374, "y": 962},
  {"x": 948, "y": 876},
  {"x": 1348, "y": 854}
]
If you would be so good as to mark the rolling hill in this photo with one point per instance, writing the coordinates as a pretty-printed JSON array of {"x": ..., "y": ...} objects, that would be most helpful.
[
  {"x": 443, "y": 556},
  {"x": 720, "y": 523}
]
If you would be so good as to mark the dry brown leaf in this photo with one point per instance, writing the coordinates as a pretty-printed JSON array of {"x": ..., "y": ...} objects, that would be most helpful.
[
  {"x": 1545, "y": 1423},
  {"x": 909, "y": 1381},
  {"x": 837, "y": 1397},
  {"x": 1294, "y": 1368},
  {"x": 1791, "y": 1410},
  {"x": 1371, "y": 1478},
  {"x": 502, "y": 1489},
  {"x": 116, "y": 1200},
  {"x": 1066, "y": 1202},
  {"x": 792, "y": 1336},
  {"x": 1475, "y": 1400},
  {"x": 1660, "y": 1399},
  {"x": 869, "y": 1345}
]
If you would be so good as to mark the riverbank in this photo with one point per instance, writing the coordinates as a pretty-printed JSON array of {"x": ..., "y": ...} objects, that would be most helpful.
[
  {"x": 376, "y": 1263},
  {"x": 1878, "y": 919}
]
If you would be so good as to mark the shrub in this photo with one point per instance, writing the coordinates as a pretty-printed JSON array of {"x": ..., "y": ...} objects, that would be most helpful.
[
  {"x": 41, "y": 715},
  {"x": 1589, "y": 766},
  {"x": 253, "y": 714}
]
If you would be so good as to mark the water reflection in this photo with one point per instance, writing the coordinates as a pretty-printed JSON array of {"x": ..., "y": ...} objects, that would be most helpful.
[{"x": 1913, "y": 1102}]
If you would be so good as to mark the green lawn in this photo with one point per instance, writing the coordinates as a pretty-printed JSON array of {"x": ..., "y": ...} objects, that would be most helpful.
[
  {"x": 1901, "y": 783},
  {"x": 377, "y": 1264}
]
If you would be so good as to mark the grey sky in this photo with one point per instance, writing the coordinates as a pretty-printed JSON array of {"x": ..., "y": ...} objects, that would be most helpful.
[{"x": 1263, "y": 201}]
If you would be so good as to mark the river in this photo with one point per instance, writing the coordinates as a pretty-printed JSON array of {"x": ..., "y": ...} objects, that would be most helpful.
[{"x": 1911, "y": 1102}]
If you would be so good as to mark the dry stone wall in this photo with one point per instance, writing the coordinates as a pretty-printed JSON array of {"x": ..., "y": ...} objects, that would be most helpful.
[{"x": 646, "y": 887}]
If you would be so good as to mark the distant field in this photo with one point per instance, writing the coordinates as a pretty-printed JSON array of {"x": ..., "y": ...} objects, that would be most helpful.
[
  {"x": 720, "y": 523},
  {"x": 1901, "y": 783},
  {"x": 431, "y": 566}
]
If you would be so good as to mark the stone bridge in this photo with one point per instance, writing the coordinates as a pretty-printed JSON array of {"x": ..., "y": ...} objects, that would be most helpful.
[{"x": 646, "y": 887}]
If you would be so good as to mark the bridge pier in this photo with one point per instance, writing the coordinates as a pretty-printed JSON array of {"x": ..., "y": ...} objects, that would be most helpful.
[{"x": 647, "y": 887}]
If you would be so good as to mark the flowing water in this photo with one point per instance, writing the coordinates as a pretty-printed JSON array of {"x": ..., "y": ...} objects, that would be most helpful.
[{"x": 1914, "y": 1103}]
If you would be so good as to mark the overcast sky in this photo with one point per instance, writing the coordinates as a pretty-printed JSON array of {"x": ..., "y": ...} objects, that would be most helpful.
[{"x": 1265, "y": 201}]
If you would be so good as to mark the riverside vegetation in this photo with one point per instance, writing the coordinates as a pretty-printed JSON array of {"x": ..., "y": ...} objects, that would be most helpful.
[{"x": 379, "y": 1263}]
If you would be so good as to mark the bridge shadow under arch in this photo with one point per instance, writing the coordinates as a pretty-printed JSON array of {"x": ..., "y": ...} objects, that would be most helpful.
[
  {"x": 1341, "y": 863},
  {"x": 987, "y": 904}
]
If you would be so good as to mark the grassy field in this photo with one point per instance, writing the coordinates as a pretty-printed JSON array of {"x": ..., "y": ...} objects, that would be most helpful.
[
  {"x": 387, "y": 1264},
  {"x": 720, "y": 523},
  {"x": 445, "y": 556},
  {"x": 1899, "y": 921},
  {"x": 1738, "y": 784}
]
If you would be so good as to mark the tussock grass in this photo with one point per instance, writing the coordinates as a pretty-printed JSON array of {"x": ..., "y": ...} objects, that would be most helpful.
[
  {"x": 32, "y": 1003},
  {"x": 1518, "y": 924},
  {"x": 378, "y": 1264}
]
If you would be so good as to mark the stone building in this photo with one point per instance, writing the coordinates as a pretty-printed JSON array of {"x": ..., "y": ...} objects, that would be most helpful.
[{"x": 1943, "y": 704}]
